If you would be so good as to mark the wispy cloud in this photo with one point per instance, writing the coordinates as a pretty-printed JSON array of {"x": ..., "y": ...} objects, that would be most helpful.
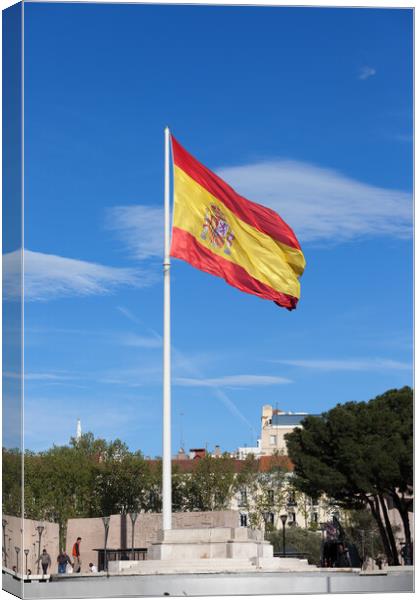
[
  {"x": 232, "y": 381},
  {"x": 350, "y": 364},
  {"x": 322, "y": 204},
  {"x": 128, "y": 314},
  {"x": 141, "y": 341},
  {"x": 140, "y": 228},
  {"x": 48, "y": 276},
  {"x": 38, "y": 376},
  {"x": 366, "y": 72}
]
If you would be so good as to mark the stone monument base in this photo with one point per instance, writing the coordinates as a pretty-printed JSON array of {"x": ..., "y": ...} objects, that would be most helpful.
[{"x": 212, "y": 550}]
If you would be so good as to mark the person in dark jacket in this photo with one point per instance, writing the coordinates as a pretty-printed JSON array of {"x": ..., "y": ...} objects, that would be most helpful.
[{"x": 63, "y": 559}]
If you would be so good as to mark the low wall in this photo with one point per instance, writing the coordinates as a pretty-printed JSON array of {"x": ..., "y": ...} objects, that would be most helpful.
[{"x": 22, "y": 534}]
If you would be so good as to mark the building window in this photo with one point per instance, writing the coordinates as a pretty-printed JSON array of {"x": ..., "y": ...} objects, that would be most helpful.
[
  {"x": 292, "y": 518},
  {"x": 270, "y": 496},
  {"x": 273, "y": 440},
  {"x": 314, "y": 517},
  {"x": 271, "y": 518},
  {"x": 291, "y": 498},
  {"x": 243, "y": 520},
  {"x": 242, "y": 498}
]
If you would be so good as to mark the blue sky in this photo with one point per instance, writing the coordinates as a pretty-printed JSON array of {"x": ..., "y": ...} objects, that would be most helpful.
[{"x": 308, "y": 111}]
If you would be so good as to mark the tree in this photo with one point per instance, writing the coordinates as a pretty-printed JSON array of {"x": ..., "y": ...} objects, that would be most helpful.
[
  {"x": 362, "y": 531},
  {"x": 121, "y": 485},
  {"x": 211, "y": 484},
  {"x": 58, "y": 486},
  {"x": 263, "y": 492},
  {"x": 360, "y": 454},
  {"x": 12, "y": 482}
]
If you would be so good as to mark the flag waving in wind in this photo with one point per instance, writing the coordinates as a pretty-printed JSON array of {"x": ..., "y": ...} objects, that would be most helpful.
[{"x": 218, "y": 231}]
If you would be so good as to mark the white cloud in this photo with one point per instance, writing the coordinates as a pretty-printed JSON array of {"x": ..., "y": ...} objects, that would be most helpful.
[
  {"x": 128, "y": 314},
  {"x": 231, "y": 380},
  {"x": 366, "y": 72},
  {"x": 48, "y": 276},
  {"x": 322, "y": 204},
  {"x": 140, "y": 341},
  {"x": 360, "y": 364},
  {"x": 38, "y": 376},
  {"x": 139, "y": 227}
]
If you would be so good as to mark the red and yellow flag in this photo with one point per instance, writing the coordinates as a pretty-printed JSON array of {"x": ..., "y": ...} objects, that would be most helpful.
[{"x": 218, "y": 231}]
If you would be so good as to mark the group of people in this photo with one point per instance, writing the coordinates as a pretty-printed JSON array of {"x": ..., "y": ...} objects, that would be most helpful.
[{"x": 64, "y": 562}]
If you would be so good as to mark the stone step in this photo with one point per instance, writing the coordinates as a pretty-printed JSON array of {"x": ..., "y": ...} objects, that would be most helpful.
[
  {"x": 285, "y": 564},
  {"x": 209, "y": 565}
]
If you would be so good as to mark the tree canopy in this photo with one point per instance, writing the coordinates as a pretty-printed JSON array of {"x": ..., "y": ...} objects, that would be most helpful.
[{"x": 360, "y": 454}]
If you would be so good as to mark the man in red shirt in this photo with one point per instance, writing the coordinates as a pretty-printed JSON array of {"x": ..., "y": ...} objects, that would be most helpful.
[{"x": 77, "y": 563}]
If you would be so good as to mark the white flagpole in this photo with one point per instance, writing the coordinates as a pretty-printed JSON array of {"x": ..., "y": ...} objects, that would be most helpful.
[{"x": 166, "y": 455}]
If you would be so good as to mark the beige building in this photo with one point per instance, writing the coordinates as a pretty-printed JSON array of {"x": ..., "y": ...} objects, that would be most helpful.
[{"x": 275, "y": 424}]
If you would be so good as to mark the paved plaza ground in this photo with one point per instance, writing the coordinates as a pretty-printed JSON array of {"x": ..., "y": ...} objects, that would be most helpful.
[{"x": 322, "y": 582}]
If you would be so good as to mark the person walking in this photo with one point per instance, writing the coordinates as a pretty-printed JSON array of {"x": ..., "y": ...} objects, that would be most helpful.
[
  {"x": 63, "y": 559},
  {"x": 45, "y": 560},
  {"x": 77, "y": 563}
]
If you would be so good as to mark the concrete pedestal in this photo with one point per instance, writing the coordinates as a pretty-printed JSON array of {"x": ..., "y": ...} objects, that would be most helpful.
[
  {"x": 212, "y": 550},
  {"x": 220, "y": 542}
]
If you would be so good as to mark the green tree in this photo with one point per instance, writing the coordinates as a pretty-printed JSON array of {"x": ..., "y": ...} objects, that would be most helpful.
[
  {"x": 362, "y": 530},
  {"x": 263, "y": 491},
  {"x": 12, "y": 482},
  {"x": 359, "y": 454},
  {"x": 211, "y": 484}
]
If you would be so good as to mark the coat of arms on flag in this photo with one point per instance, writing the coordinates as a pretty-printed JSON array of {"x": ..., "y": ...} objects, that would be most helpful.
[{"x": 217, "y": 229}]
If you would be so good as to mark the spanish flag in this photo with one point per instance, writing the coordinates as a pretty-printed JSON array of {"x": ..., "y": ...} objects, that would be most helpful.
[{"x": 218, "y": 231}]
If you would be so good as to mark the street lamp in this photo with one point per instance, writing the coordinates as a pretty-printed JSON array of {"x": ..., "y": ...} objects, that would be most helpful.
[
  {"x": 4, "y": 523},
  {"x": 17, "y": 550},
  {"x": 40, "y": 529},
  {"x": 105, "y": 521},
  {"x": 26, "y": 551},
  {"x": 283, "y": 522},
  {"x": 133, "y": 517}
]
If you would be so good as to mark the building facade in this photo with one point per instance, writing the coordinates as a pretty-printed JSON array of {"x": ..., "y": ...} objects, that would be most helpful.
[{"x": 275, "y": 424}]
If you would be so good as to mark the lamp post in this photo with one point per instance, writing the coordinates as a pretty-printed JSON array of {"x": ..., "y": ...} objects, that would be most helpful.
[
  {"x": 105, "y": 521},
  {"x": 4, "y": 523},
  {"x": 40, "y": 529},
  {"x": 371, "y": 549},
  {"x": 283, "y": 522},
  {"x": 133, "y": 517},
  {"x": 362, "y": 534},
  {"x": 17, "y": 550},
  {"x": 26, "y": 551}
]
